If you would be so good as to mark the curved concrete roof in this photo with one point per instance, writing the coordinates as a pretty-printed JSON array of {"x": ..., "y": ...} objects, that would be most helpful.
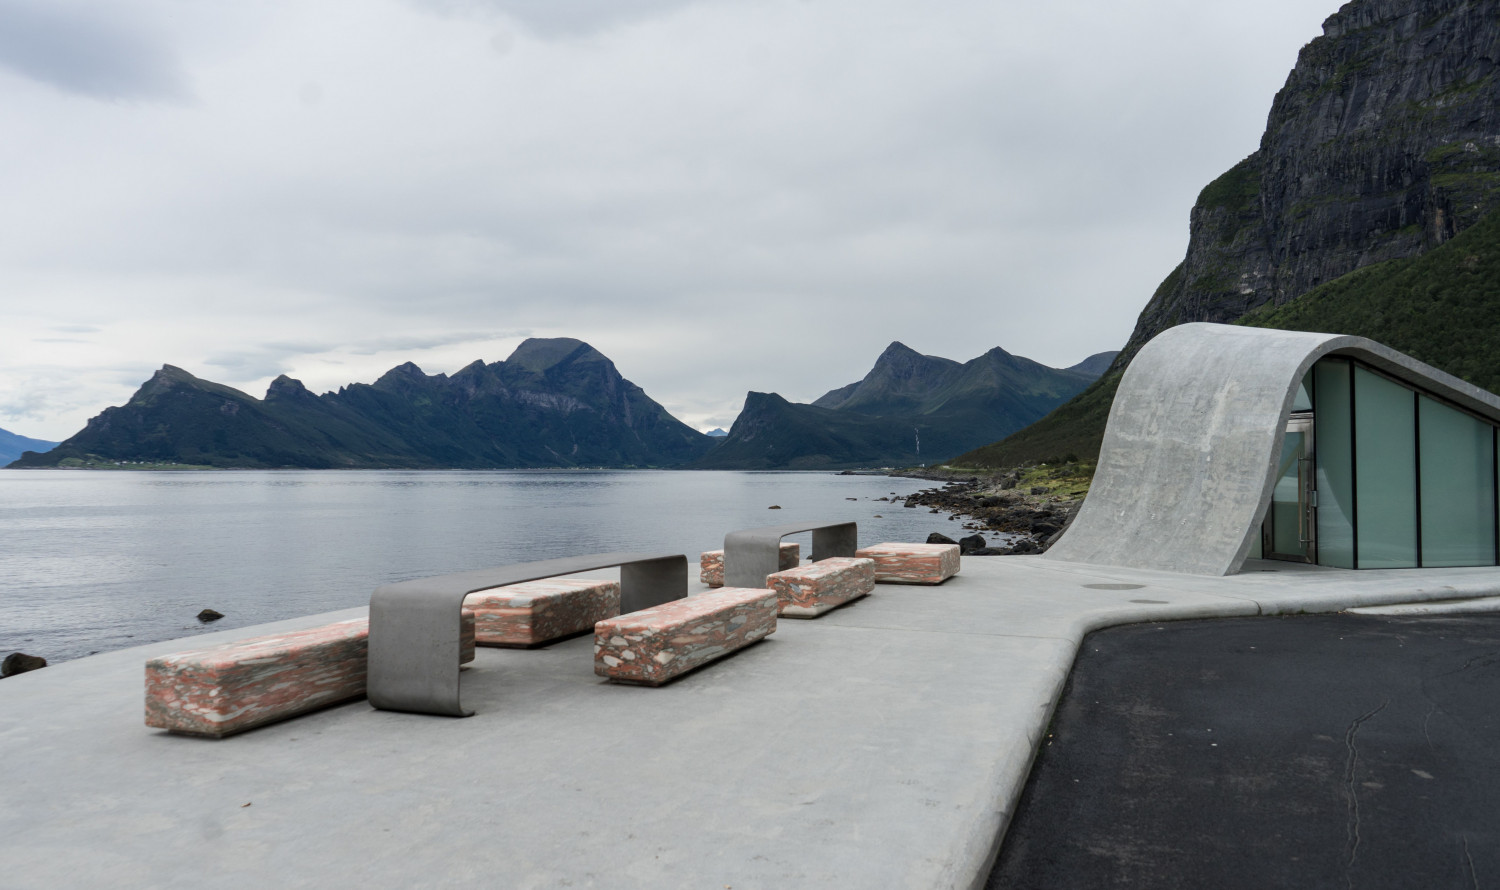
[{"x": 1185, "y": 472}]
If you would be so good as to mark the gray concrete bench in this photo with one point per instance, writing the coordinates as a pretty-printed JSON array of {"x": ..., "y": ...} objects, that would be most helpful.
[
  {"x": 231, "y": 687},
  {"x": 414, "y": 627},
  {"x": 753, "y": 553}
]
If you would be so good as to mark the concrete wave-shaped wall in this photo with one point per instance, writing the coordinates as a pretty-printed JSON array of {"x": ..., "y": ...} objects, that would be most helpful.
[{"x": 1186, "y": 470}]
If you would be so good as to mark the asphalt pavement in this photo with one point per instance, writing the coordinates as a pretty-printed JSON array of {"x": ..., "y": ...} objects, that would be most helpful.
[{"x": 1293, "y": 751}]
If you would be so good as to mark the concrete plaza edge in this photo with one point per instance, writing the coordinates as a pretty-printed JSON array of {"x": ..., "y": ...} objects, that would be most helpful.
[{"x": 884, "y": 744}]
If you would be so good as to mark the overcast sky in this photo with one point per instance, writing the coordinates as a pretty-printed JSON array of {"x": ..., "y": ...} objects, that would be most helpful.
[{"x": 719, "y": 195}]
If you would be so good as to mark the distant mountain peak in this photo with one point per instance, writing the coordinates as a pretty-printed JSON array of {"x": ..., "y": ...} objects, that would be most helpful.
[
  {"x": 1096, "y": 364},
  {"x": 284, "y": 387},
  {"x": 539, "y": 354},
  {"x": 401, "y": 377}
]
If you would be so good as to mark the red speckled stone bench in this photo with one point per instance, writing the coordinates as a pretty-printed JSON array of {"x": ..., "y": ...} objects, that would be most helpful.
[
  {"x": 220, "y": 690},
  {"x": 912, "y": 563},
  {"x": 809, "y": 591},
  {"x": 536, "y": 612},
  {"x": 654, "y": 645},
  {"x": 711, "y": 563}
]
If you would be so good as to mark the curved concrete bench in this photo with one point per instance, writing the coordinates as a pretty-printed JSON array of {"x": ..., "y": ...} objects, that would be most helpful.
[
  {"x": 414, "y": 626},
  {"x": 753, "y": 553},
  {"x": 711, "y": 563}
]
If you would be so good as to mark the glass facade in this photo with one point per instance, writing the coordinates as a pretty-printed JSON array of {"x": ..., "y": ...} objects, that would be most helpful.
[
  {"x": 1401, "y": 479},
  {"x": 1458, "y": 486},
  {"x": 1335, "y": 464},
  {"x": 1385, "y": 472}
]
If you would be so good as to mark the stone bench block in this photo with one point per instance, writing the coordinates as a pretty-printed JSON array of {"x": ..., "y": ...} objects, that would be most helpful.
[
  {"x": 654, "y": 645},
  {"x": 533, "y": 613},
  {"x": 809, "y": 591},
  {"x": 912, "y": 563},
  {"x": 220, "y": 690},
  {"x": 711, "y": 563}
]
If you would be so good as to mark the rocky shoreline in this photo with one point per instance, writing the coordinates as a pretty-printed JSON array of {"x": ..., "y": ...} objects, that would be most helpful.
[{"x": 1033, "y": 504}]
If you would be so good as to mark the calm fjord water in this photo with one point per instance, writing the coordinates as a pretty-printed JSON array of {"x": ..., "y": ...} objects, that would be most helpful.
[{"x": 93, "y": 561}]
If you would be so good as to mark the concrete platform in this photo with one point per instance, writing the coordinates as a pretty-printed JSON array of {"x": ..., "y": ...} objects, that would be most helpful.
[{"x": 883, "y": 745}]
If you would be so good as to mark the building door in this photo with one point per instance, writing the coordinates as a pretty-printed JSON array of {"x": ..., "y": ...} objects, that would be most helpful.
[{"x": 1291, "y": 522}]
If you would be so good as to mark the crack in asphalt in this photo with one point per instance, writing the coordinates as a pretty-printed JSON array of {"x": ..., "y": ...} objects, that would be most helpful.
[{"x": 1353, "y": 796}]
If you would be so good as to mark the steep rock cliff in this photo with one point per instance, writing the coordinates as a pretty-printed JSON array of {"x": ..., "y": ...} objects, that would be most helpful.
[{"x": 1384, "y": 143}]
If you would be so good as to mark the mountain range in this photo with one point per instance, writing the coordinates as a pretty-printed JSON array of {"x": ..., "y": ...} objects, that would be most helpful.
[
  {"x": 554, "y": 403},
  {"x": 560, "y": 403},
  {"x": 1367, "y": 209},
  {"x": 13, "y": 445},
  {"x": 909, "y": 409}
]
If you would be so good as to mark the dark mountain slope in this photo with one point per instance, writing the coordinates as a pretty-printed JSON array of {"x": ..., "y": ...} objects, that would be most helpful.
[
  {"x": 1442, "y": 307},
  {"x": 911, "y": 408},
  {"x": 774, "y": 434},
  {"x": 12, "y": 445}
]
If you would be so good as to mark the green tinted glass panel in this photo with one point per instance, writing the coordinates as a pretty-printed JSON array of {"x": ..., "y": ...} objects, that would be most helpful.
[
  {"x": 1458, "y": 487},
  {"x": 1303, "y": 401},
  {"x": 1385, "y": 464},
  {"x": 1286, "y": 507},
  {"x": 1335, "y": 462}
]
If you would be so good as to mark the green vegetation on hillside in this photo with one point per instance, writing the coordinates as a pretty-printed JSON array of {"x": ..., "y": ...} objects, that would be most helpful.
[
  {"x": 1076, "y": 429},
  {"x": 1235, "y": 189},
  {"x": 1442, "y": 307}
]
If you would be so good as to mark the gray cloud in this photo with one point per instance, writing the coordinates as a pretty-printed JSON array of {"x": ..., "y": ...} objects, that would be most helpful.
[
  {"x": 89, "y": 50},
  {"x": 399, "y": 343},
  {"x": 560, "y": 18},
  {"x": 272, "y": 359}
]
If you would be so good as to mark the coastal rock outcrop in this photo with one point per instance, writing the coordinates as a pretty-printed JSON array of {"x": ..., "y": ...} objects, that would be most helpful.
[{"x": 20, "y": 663}]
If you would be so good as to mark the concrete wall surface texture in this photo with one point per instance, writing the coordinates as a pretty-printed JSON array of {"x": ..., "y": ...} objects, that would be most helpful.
[{"x": 1186, "y": 470}]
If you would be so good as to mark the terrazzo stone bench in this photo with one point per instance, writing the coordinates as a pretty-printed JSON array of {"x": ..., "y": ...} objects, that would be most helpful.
[
  {"x": 809, "y": 591},
  {"x": 414, "y": 635},
  {"x": 533, "y": 613},
  {"x": 652, "y": 646},
  {"x": 221, "y": 690},
  {"x": 912, "y": 563},
  {"x": 711, "y": 563},
  {"x": 753, "y": 553}
]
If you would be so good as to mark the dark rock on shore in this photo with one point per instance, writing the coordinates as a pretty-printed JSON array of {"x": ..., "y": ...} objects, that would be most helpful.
[
  {"x": 936, "y": 538},
  {"x": 20, "y": 663},
  {"x": 999, "y": 506}
]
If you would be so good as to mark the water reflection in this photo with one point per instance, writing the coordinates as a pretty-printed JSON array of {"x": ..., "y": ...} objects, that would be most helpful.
[{"x": 96, "y": 560}]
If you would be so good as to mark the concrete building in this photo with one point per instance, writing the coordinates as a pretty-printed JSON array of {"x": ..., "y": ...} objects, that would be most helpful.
[{"x": 1227, "y": 442}]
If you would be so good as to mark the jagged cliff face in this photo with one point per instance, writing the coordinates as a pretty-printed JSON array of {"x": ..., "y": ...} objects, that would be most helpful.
[{"x": 1384, "y": 143}]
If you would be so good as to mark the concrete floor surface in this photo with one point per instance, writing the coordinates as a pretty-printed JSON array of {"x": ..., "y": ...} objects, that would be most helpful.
[{"x": 882, "y": 745}]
